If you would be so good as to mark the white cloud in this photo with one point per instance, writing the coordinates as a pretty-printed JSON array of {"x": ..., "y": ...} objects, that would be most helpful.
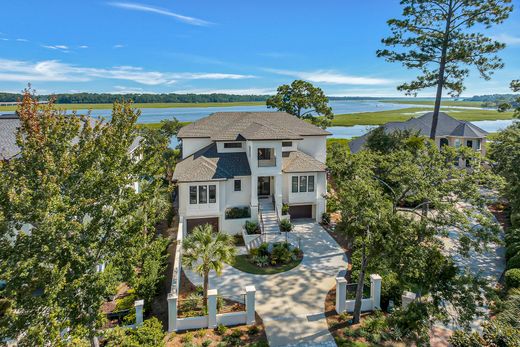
[
  {"x": 4, "y": 39},
  {"x": 22, "y": 40},
  {"x": 54, "y": 71},
  {"x": 147, "y": 8},
  {"x": 61, "y": 48},
  {"x": 331, "y": 77},
  {"x": 118, "y": 46},
  {"x": 508, "y": 39},
  {"x": 83, "y": 46}
]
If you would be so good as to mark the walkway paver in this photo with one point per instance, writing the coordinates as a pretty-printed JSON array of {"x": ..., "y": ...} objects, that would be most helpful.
[{"x": 291, "y": 303}]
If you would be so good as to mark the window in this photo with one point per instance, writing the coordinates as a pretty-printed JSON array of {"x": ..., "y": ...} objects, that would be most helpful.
[
  {"x": 456, "y": 162},
  {"x": 193, "y": 194},
  {"x": 238, "y": 185},
  {"x": 212, "y": 194},
  {"x": 303, "y": 184},
  {"x": 468, "y": 163},
  {"x": 469, "y": 143},
  {"x": 264, "y": 153},
  {"x": 203, "y": 194},
  {"x": 295, "y": 184},
  {"x": 232, "y": 144},
  {"x": 310, "y": 182},
  {"x": 286, "y": 154},
  {"x": 286, "y": 143},
  {"x": 457, "y": 143},
  {"x": 444, "y": 142},
  {"x": 478, "y": 144}
]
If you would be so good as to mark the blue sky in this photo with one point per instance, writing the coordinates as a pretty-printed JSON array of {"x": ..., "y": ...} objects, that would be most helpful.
[{"x": 239, "y": 46}]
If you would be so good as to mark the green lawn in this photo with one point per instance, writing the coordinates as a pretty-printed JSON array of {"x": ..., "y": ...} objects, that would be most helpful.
[
  {"x": 243, "y": 264},
  {"x": 401, "y": 115},
  {"x": 432, "y": 102},
  {"x": 149, "y": 105}
]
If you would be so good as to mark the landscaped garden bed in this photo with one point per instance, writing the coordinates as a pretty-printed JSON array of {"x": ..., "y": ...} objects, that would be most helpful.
[{"x": 269, "y": 259}]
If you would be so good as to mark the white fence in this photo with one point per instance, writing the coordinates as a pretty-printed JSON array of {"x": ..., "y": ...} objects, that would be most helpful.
[
  {"x": 370, "y": 304},
  {"x": 212, "y": 319},
  {"x": 176, "y": 277}
]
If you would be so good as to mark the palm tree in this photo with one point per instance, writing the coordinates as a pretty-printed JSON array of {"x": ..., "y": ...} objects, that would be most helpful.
[{"x": 204, "y": 251}]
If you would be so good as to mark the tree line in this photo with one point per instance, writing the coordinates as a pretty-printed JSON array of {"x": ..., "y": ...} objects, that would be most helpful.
[{"x": 106, "y": 98}]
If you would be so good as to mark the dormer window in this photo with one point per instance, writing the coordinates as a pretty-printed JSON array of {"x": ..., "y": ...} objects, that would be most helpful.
[
  {"x": 232, "y": 144},
  {"x": 286, "y": 143}
]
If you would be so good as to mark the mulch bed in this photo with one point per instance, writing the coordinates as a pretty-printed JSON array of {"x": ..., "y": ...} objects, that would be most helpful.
[{"x": 501, "y": 213}]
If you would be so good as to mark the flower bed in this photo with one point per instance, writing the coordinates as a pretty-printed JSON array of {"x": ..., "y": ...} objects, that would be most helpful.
[{"x": 269, "y": 259}]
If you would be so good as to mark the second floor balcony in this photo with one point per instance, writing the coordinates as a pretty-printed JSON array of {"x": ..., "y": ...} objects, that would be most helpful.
[{"x": 266, "y": 157}]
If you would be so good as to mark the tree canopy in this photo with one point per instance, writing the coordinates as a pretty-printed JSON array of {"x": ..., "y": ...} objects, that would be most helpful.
[
  {"x": 68, "y": 204},
  {"x": 303, "y": 100},
  {"x": 441, "y": 39}
]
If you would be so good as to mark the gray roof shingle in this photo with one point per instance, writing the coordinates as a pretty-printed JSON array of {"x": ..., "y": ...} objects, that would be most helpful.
[
  {"x": 230, "y": 126},
  {"x": 207, "y": 165},
  {"x": 446, "y": 126},
  {"x": 300, "y": 162}
]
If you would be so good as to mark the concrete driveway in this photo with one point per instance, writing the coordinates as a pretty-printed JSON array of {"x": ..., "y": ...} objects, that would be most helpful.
[{"x": 291, "y": 304}]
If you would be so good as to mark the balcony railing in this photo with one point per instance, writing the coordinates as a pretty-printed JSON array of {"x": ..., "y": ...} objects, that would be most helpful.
[{"x": 266, "y": 162}]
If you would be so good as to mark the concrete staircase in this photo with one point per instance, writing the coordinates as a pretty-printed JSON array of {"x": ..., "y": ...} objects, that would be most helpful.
[{"x": 268, "y": 215}]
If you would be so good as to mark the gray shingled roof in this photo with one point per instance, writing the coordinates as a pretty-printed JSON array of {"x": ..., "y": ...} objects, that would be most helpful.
[
  {"x": 207, "y": 164},
  {"x": 230, "y": 126},
  {"x": 446, "y": 126},
  {"x": 9, "y": 125},
  {"x": 300, "y": 162}
]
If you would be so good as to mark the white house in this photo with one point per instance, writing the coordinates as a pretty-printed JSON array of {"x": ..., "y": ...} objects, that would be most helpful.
[
  {"x": 252, "y": 161},
  {"x": 450, "y": 132}
]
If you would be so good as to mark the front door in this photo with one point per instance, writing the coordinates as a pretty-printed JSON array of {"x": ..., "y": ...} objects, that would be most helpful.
[{"x": 264, "y": 185}]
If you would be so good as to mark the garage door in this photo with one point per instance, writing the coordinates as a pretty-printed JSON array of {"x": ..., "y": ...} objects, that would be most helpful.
[
  {"x": 192, "y": 223},
  {"x": 300, "y": 211}
]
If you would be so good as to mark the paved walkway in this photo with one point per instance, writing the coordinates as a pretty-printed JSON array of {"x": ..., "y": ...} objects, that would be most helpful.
[{"x": 291, "y": 304}]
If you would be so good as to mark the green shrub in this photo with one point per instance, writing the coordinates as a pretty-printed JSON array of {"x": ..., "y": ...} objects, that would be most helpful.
[
  {"x": 206, "y": 343},
  {"x": 515, "y": 219},
  {"x": 513, "y": 278},
  {"x": 252, "y": 227},
  {"x": 285, "y": 209},
  {"x": 325, "y": 218},
  {"x": 238, "y": 212},
  {"x": 390, "y": 289},
  {"x": 253, "y": 330},
  {"x": 281, "y": 254},
  {"x": 126, "y": 302},
  {"x": 150, "y": 333},
  {"x": 187, "y": 338},
  {"x": 463, "y": 339},
  {"x": 285, "y": 225},
  {"x": 514, "y": 262},
  {"x": 512, "y": 235},
  {"x": 260, "y": 260},
  {"x": 512, "y": 249},
  {"x": 263, "y": 249},
  {"x": 221, "y": 329}
]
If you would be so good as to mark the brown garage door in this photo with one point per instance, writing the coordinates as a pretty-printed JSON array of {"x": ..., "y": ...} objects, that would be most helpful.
[
  {"x": 300, "y": 211},
  {"x": 192, "y": 223}
]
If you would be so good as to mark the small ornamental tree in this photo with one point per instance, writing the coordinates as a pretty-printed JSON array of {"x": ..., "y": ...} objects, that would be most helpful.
[
  {"x": 303, "y": 100},
  {"x": 204, "y": 251},
  {"x": 441, "y": 39}
]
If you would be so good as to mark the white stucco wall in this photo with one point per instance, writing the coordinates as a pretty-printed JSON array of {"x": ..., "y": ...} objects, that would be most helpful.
[
  {"x": 192, "y": 145},
  {"x": 199, "y": 210},
  {"x": 241, "y": 198},
  {"x": 315, "y": 146},
  {"x": 221, "y": 149}
]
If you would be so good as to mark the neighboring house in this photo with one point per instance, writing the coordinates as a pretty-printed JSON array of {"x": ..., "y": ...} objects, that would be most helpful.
[
  {"x": 252, "y": 161},
  {"x": 450, "y": 132}
]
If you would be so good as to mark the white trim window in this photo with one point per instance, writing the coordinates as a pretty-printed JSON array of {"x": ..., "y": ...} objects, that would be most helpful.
[
  {"x": 302, "y": 184},
  {"x": 203, "y": 194}
]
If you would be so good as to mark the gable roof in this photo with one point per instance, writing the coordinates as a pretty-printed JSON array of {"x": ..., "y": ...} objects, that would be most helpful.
[
  {"x": 298, "y": 161},
  {"x": 446, "y": 126},
  {"x": 233, "y": 126},
  {"x": 207, "y": 164},
  {"x": 9, "y": 124}
]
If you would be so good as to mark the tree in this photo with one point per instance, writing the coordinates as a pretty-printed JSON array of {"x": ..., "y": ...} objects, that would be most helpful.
[
  {"x": 205, "y": 251},
  {"x": 380, "y": 195},
  {"x": 303, "y": 100},
  {"x": 438, "y": 38},
  {"x": 67, "y": 205},
  {"x": 514, "y": 103}
]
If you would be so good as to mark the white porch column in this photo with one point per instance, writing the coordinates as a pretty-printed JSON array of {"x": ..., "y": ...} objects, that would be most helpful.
[
  {"x": 407, "y": 298},
  {"x": 172, "y": 312},
  {"x": 341, "y": 295},
  {"x": 139, "y": 305},
  {"x": 375, "y": 291},
  {"x": 212, "y": 308},
  {"x": 250, "y": 305},
  {"x": 278, "y": 193}
]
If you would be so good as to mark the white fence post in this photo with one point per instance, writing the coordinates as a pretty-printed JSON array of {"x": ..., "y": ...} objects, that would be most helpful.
[
  {"x": 250, "y": 305},
  {"x": 172, "y": 312},
  {"x": 212, "y": 308},
  {"x": 375, "y": 291},
  {"x": 139, "y": 305},
  {"x": 341, "y": 294},
  {"x": 407, "y": 298}
]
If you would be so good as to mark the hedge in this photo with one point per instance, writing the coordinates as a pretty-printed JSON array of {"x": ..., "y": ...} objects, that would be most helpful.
[
  {"x": 513, "y": 278},
  {"x": 514, "y": 262}
]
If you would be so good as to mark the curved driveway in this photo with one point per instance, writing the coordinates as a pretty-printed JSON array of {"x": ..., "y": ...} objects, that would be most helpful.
[{"x": 291, "y": 303}]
